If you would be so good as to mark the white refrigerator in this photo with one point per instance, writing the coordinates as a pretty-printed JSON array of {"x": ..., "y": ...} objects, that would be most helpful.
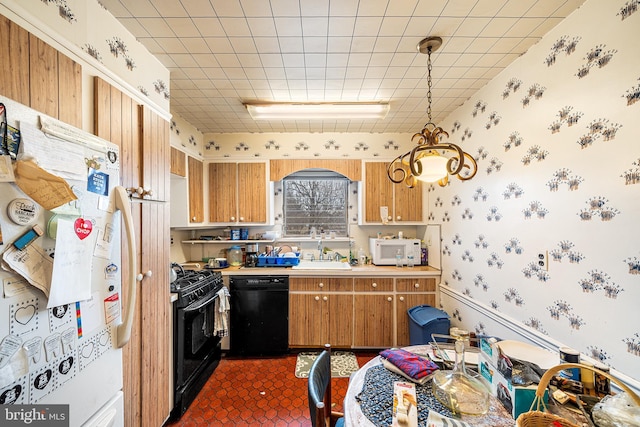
[{"x": 62, "y": 321}]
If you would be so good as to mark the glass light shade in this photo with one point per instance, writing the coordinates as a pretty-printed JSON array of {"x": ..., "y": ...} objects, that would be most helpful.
[
  {"x": 317, "y": 111},
  {"x": 434, "y": 168}
]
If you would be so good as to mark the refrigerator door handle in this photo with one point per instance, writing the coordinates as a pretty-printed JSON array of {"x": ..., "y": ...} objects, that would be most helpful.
[{"x": 123, "y": 331}]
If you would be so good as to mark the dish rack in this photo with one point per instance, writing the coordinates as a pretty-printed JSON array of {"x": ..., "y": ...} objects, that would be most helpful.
[{"x": 278, "y": 261}]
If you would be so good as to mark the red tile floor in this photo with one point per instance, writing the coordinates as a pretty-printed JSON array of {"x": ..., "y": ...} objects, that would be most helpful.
[{"x": 258, "y": 392}]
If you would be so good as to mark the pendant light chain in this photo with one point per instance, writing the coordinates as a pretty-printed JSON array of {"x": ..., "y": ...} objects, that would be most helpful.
[{"x": 429, "y": 84}]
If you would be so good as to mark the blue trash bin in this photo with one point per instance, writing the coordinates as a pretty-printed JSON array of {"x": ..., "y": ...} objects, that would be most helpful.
[{"x": 425, "y": 320}]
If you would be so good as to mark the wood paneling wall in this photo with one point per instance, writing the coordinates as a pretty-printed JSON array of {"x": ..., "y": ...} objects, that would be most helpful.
[
  {"x": 279, "y": 168},
  {"x": 143, "y": 137},
  {"x": 35, "y": 74}
]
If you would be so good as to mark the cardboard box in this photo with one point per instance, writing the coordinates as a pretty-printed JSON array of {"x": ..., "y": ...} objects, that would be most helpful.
[
  {"x": 490, "y": 350},
  {"x": 516, "y": 399}
]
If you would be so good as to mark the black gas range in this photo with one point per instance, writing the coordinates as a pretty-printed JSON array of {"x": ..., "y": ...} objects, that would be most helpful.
[{"x": 196, "y": 348}]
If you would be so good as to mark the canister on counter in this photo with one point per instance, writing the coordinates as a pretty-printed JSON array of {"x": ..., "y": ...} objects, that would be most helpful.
[
  {"x": 569, "y": 355},
  {"x": 244, "y": 234},
  {"x": 235, "y": 234},
  {"x": 587, "y": 376},
  {"x": 601, "y": 383}
]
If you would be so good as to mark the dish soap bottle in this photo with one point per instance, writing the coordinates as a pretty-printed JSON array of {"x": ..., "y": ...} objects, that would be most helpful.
[{"x": 362, "y": 258}]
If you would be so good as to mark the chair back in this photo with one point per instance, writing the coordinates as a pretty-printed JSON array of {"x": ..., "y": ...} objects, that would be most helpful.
[{"x": 320, "y": 389}]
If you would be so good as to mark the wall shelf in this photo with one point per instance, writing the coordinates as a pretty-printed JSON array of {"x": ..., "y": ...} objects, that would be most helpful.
[{"x": 201, "y": 242}]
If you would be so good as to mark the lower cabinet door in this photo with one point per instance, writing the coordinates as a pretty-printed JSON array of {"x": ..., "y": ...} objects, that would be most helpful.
[{"x": 373, "y": 320}]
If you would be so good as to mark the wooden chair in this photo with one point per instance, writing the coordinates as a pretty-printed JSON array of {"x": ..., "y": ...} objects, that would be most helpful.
[{"x": 320, "y": 392}]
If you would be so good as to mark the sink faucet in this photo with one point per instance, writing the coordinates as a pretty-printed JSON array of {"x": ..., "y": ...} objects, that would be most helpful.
[{"x": 321, "y": 255}]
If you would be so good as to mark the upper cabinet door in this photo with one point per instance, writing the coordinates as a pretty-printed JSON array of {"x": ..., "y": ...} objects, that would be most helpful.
[
  {"x": 196, "y": 187},
  {"x": 223, "y": 198},
  {"x": 408, "y": 203},
  {"x": 378, "y": 191},
  {"x": 252, "y": 193}
]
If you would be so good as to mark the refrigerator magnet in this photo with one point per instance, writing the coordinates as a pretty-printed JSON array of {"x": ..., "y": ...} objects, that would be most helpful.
[
  {"x": 98, "y": 182},
  {"x": 111, "y": 271},
  {"x": 111, "y": 308},
  {"x": 22, "y": 211},
  {"x": 32, "y": 347}
]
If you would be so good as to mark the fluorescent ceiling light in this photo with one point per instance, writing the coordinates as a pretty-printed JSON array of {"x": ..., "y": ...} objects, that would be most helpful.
[{"x": 318, "y": 111}]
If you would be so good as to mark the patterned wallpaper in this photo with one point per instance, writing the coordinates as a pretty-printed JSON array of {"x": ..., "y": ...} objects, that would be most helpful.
[{"x": 556, "y": 140}]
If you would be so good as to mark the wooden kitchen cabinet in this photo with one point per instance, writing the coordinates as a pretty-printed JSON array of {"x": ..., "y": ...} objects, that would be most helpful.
[
  {"x": 238, "y": 193},
  {"x": 196, "y": 190},
  {"x": 320, "y": 312},
  {"x": 404, "y": 204},
  {"x": 374, "y": 315},
  {"x": 410, "y": 293},
  {"x": 143, "y": 138},
  {"x": 178, "y": 162}
]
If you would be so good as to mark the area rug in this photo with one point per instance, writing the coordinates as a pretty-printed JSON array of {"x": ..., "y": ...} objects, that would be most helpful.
[{"x": 343, "y": 363}]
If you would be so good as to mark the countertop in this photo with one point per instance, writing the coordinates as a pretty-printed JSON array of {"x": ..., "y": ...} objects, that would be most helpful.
[{"x": 364, "y": 271}]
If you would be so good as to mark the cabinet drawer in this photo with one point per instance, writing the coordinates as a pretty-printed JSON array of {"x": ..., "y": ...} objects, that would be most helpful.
[
  {"x": 325, "y": 284},
  {"x": 373, "y": 284},
  {"x": 423, "y": 284}
]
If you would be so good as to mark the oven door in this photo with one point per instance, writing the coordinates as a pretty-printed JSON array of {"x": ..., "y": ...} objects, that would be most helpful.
[{"x": 194, "y": 339}]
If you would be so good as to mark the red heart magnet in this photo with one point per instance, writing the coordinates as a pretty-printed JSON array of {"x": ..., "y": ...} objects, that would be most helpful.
[{"x": 82, "y": 227}]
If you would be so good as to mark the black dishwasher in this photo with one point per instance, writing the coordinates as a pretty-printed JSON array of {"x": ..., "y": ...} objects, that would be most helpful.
[{"x": 259, "y": 315}]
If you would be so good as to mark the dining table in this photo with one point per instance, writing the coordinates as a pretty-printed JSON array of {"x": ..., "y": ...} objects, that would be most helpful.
[{"x": 369, "y": 399}]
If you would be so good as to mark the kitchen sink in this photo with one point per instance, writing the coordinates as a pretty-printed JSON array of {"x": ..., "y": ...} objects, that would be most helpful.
[{"x": 306, "y": 264}]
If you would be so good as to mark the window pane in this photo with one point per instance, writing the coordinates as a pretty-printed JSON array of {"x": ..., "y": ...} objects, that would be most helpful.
[{"x": 315, "y": 202}]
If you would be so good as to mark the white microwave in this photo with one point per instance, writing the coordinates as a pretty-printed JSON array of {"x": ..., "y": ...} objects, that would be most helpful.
[{"x": 383, "y": 251}]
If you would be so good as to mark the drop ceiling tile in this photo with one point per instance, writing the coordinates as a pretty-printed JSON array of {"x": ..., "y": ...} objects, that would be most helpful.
[
  {"x": 291, "y": 60},
  {"x": 219, "y": 45},
  {"x": 372, "y": 7},
  {"x": 291, "y": 27},
  {"x": 338, "y": 44},
  {"x": 209, "y": 27},
  {"x": 420, "y": 27},
  {"x": 285, "y": 7},
  {"x": 267, "y": 44},
  {"x": 472, "y": 26},
  {"x": 270, "y": 60},
  {"x": 235, "y": 27},
  {"x": 315, "y": 60},
  {"x": 362, "y": 44},
  {"x": 367, "y": 26},
  {"x": 243, "y": 45},
  {"x": 204, "y": 60},
  {"x": 152, "y": 45},
  {"x": 314, "y": 26},
  {"x": 337, "y": 60},
  {"x": 196, "y": 45},
  {"x": 142, "y": 8},
  {"x": 294, "y": 73},
  {"x": 262, "y": 27},
  {"x": 198, "y": 8},
  {"x": 445, "y": 26},
  {"x": 341, "y": 26},
  {"x": 316, "y": 73},
  {"x": 171, "y": 45},
  {"x": 248, "y": 60},
  {"x": 336, "y": 73},
  {"x": 515, "y": 8},
  {"x": 315, "y": 44},
  {"x": 184, "y": 60},
  {"x": 275, "y": 73},
  {"x": 156, "y": 27},
  {"x": 359, "y": 59},
  {"x": 290, "y": 45},
  {"x": 393, "y": 26},
  {"x": 228, "y": 8},
  {"x": 225, "y": 60},
  {"x": 252, "y": 8}
]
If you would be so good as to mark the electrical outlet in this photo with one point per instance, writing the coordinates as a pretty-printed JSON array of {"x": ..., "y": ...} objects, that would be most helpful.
[
  {"x": 543, "y": 260},
  {"x": 172, "y": 240}
]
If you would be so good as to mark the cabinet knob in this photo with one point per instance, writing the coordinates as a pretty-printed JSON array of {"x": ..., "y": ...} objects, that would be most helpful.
[
  {"x": 241, "y": 219},
  {"x": 398, "y": 218},
  {"x": 401, "y": 298},
  {"x": 321, "y": 285},
  {"x": 325, "y": 298},
  {"x": 374, "y": 285},
  {"x": 141, "y": 276},
  {"x": 389, "y": 299},
  {"x": 193, "y": 218},
  {"x": 233, "y": 218},
  {"x": 389, "y": 217},
  {"x": 416, "y": 285},
  {"x": 317, "y": 298}
]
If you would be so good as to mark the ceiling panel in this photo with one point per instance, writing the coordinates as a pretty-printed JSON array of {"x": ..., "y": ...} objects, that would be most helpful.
[{"x": 222, "y": 53}]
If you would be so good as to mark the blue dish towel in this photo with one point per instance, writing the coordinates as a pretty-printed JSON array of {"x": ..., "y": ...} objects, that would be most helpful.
[{"x": 411, "y": 364}]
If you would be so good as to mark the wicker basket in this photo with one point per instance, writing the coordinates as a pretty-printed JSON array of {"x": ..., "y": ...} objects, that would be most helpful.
[{"x": 537, "y": 415}]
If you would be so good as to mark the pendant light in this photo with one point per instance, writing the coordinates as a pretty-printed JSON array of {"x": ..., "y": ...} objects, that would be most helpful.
[{"x": 431, "y": 160}]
